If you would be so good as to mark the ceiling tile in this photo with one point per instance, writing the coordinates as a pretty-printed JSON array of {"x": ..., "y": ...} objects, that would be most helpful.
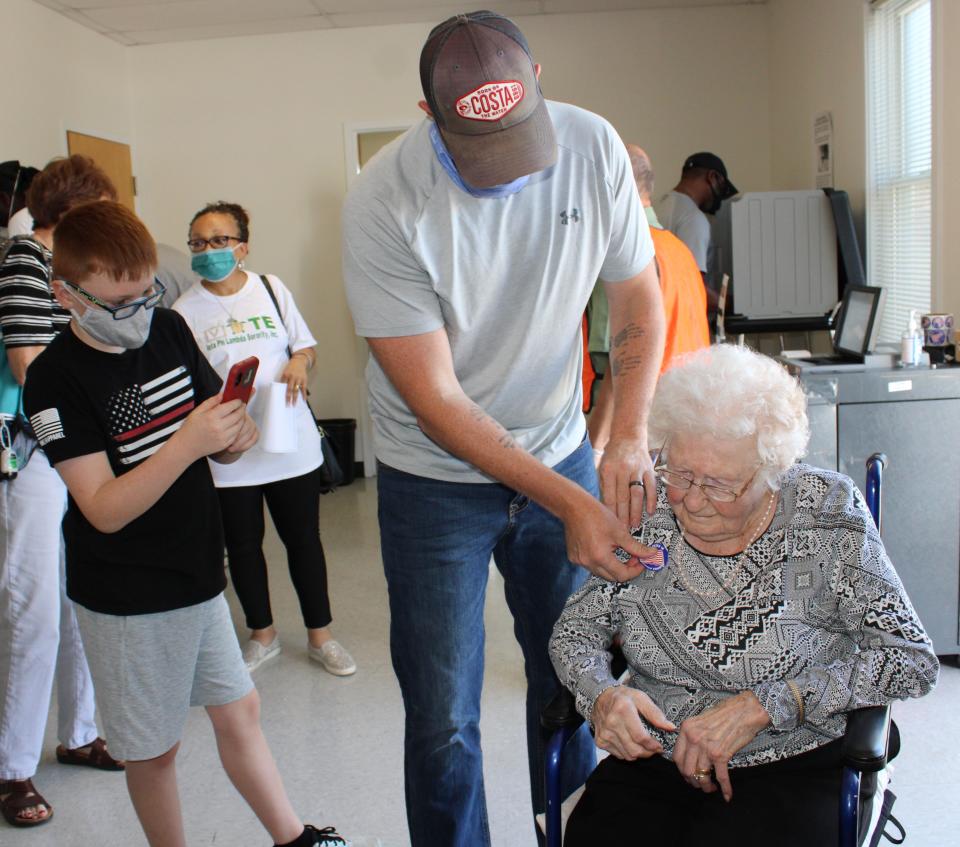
[
  {"x": 154, "y": 21},
  {"x": 560, "y": 6},
  {"x": 228, "y": 30},
  {"x": 198, "y": 13},
  {"x": 394, "y": 16},
  {"x": 434, "y": 14},
  {"x": 383, "y": 7},
  {"x": 83, "y": 20},
  {"x": 108, "y": 4}
]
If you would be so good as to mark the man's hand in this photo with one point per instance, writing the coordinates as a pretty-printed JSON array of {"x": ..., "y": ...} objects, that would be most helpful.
[
  {"x": 593, "y": 532},
  {"x": 618, "y": 720},
  {"x": 211, "y": 427},
  {"x": 628, "y": 461},
  {"x": 708, "y": 741}
]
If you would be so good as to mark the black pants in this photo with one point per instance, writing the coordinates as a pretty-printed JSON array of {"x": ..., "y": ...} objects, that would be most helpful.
[
  {"x": 295, "y": 508},
  {"x": 791, "y": 803}
]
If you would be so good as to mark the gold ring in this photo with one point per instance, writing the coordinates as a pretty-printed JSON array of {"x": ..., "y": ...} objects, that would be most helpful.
[
  {"x": 634, "y": 482},
  {"x": 699, "y": 776},
  {"x": 702, "y": 773}
]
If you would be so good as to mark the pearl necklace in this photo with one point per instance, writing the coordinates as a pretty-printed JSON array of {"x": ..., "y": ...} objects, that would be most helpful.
[{"x": 728, "y": 583}]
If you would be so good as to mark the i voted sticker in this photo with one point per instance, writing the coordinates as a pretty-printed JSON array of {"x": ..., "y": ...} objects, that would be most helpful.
[{"x": 656, "y": 561}]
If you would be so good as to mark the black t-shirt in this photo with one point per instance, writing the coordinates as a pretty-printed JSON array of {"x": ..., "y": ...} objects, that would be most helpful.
[{"x": 83, "y": 401}]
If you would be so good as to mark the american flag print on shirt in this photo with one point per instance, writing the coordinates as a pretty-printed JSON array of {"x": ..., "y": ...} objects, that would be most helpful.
[
  {"x": 47, "y": 426},
  {"x": 143, "y": 417}
]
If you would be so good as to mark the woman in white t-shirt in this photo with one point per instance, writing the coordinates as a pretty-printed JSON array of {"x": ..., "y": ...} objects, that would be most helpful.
[{"x": 232, "y": 315}]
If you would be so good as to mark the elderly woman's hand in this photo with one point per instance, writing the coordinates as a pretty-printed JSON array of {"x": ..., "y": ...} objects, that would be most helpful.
[
  {"x": 708, "y": 741},
  {"x": 618, "y": 721},
  {"x": 626, "y": 463}
]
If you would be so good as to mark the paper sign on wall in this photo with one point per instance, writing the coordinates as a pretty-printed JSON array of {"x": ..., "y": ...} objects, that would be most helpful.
[{"x": 823, "y": 149}]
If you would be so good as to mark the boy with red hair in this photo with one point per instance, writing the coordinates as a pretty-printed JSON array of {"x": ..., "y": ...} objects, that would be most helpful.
[{"x": 127, "y": 409}]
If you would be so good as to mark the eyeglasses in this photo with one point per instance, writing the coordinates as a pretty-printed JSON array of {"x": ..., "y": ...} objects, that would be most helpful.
[
  {"x": 683, "y": 482},
  {"x": 127, "y": 310},
  {"x": 218, "y": 242}
]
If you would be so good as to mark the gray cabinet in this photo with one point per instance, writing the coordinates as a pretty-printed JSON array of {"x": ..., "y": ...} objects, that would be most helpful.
[{"x": 913, "y": 417}]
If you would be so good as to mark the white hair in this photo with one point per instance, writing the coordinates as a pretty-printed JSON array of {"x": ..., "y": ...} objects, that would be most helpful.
[{"x": 727, "y": 392}]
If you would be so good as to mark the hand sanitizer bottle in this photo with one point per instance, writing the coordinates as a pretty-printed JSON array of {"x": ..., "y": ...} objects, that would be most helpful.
[{"x": 911, "y": 342}]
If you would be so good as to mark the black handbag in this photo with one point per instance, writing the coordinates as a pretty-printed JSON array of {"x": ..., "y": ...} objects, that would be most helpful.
[{"x": 331, "y": 474}]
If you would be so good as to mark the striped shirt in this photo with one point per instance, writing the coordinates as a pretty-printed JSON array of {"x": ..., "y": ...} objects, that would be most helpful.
[{"x": 29, "y": 314}]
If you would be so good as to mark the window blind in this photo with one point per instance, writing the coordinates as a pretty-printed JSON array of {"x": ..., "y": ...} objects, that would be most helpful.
[{"x": 899, "y": 158}]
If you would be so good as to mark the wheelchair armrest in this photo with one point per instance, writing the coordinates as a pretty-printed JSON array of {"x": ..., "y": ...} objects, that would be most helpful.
[
  {"x": 560, "y": 713},
  {"x": 866, "y": 739}
]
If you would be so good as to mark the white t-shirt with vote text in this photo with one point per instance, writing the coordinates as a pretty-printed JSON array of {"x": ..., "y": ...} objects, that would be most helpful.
[{"x": 229, "y": 329}]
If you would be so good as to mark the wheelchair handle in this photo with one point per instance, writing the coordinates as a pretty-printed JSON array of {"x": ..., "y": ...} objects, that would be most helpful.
[{"x": 875, "y": 466}]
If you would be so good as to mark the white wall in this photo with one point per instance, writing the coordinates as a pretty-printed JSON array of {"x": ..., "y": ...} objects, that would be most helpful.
[
  {"x": 817, "y": 63},
  {"x": 58, "y": 76},
  {"x": 260, "y": 120},
  {"x": 946, "y": 156}
]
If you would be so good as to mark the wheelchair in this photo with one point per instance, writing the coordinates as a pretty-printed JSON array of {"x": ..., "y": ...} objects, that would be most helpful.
[{"x": 869, "y": 741}]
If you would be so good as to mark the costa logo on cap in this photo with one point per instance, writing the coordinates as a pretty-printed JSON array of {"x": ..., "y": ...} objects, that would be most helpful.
[{"x": 491, "y": 101}]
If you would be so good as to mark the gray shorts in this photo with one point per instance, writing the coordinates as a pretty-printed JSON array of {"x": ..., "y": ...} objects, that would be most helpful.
[{"x": 148, "y": 670}]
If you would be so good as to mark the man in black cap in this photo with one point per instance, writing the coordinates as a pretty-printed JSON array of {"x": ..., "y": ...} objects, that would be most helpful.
[
  {"x": 470, "y": 247},
  {"x": 703, "y": 186}
]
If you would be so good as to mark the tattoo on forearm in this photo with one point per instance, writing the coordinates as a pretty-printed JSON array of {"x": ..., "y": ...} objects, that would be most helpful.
[
  {"x": 625, "y": 364},
  {"x": 621, "y": 361},
  {"x": 504, "y": 438},
  {"x": 631, "y": 332}
]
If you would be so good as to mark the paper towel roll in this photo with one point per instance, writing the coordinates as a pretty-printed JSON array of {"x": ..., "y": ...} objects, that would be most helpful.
[{"x": 279, "y": 433}]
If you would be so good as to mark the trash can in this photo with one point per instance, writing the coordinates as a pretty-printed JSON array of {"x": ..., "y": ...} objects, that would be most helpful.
[{"x": 342, "y": 432}]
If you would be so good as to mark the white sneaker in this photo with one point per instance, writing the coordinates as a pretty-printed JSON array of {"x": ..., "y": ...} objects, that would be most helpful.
[
  {"x": 333, "y": 657},
  {"x": 255, "y": 653}
]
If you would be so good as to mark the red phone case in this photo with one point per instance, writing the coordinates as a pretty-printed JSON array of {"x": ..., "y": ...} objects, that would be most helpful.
[{"x": 239, "y": 383}]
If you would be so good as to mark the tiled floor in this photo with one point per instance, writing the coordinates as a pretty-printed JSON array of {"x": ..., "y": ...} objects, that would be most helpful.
[{"x": 338, "y": 741}]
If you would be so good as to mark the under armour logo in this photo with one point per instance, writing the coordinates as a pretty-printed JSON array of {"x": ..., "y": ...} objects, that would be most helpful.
[{"x": 572, "y": 215}]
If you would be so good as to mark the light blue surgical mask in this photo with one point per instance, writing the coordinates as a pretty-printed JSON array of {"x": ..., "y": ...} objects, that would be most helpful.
[
  {"x": 446, "y": 160},
  {"x": 214, "y": 265}
]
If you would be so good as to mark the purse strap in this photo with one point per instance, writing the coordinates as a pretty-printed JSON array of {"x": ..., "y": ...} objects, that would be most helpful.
[{"x": 276, "y": 305}]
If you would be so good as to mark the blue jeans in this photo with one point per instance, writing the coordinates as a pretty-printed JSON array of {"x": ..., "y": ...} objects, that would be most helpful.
[{"x": 437, "y": 538}]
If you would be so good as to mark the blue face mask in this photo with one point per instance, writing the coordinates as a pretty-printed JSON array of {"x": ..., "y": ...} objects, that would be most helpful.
[
  {"x": 214, "y": 265},
  {"x": 446, "y": 160}
]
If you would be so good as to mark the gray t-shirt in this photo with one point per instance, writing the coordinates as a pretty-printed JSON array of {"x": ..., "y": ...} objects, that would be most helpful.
[
  {"x": 679, "y": 214},
  {"x": 508, "y": 278}
]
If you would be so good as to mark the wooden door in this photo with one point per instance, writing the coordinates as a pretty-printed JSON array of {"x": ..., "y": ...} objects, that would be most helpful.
[{"x": 113, "y": 157}]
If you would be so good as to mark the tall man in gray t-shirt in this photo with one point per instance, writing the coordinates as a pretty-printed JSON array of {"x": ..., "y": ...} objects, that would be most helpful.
[{"x": 471, "y": 245}]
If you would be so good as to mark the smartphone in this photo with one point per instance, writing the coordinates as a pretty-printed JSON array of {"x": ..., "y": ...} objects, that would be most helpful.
[{"x": 239, "y": 383}]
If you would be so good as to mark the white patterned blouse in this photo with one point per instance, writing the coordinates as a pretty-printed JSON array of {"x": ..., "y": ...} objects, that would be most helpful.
[{"x": 815, "y": 601}]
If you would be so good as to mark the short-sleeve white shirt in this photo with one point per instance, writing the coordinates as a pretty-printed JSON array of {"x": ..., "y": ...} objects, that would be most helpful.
[{"x": 229, "y": 329}]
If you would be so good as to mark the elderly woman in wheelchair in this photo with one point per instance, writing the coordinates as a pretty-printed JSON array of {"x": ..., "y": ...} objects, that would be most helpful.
[{"x": 778, "y": 612}]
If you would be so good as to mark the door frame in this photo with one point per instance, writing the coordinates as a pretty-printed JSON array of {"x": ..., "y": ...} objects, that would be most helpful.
[{"x": 351, "y": 133}]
